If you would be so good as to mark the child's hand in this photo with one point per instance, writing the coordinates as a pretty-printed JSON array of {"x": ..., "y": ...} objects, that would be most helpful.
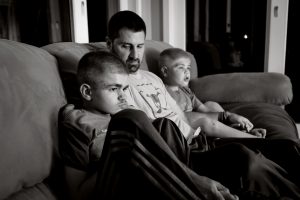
[
  {"x": 259, "y": 132},
  {"x": 241, "y": 127},
  {"x": 239, "y": 122}
]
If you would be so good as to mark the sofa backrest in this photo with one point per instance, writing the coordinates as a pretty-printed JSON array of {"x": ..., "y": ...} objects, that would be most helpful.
[
  {"x": 68, "y": 55},
  {"x": 31, "y": 95}
]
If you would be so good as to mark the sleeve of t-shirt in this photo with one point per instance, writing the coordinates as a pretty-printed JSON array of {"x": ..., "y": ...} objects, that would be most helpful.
[
  {"x": 196, "y": 103},
  {"x": 73, "y": 142}
]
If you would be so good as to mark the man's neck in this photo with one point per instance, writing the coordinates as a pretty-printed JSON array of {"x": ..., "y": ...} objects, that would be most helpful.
[{"x": 136, "y": 74}]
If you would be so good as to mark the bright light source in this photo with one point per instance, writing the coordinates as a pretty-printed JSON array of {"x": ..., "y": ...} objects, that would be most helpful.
[{"x": 245, "y": 36}]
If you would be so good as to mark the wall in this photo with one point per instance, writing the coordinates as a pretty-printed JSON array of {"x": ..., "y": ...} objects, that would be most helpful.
[
  {"x": 276, "y": 32},
  {"x": 163, "y": 23}
]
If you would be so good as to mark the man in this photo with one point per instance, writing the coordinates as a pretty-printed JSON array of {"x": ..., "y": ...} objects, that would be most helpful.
[
  {"x": 126, "y": 38},
  {"x": 127, "y": 41}
]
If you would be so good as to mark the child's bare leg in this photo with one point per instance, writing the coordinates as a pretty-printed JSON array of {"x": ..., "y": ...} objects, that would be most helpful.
[{"x": 214, "y": 106}]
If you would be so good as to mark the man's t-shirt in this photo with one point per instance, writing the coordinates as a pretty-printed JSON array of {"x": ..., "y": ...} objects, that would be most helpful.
[{"x": 149, "y": 94}]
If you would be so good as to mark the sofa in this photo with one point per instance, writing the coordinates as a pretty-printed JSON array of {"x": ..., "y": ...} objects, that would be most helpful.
[{"x": 35, "y": 82}]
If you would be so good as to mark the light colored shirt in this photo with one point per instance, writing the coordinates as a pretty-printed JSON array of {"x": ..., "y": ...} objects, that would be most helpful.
[{"x": 149, "y": 94}]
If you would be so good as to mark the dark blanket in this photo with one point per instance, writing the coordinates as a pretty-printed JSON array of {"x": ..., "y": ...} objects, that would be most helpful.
[{"x": 274, "y": 119}]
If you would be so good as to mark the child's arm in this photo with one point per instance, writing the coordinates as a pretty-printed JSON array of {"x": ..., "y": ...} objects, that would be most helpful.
[
  {"x": 199, "y": 106},
  {"x": 215, "y": 128},
  {"x": 80, "y": 145}
]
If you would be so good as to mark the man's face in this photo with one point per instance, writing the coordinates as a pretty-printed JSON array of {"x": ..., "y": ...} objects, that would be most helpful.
[
  {"x": 178, "y": 71},
  {"x": 129, "y": 46},
  {"x": 109, "y": 93}
]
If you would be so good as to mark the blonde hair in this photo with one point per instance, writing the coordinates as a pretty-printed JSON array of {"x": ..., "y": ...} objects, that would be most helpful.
[{"x": 170, "y": 54}]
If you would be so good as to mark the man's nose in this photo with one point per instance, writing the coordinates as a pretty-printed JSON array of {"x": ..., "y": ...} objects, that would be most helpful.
[{"x": 134, "y": 53}]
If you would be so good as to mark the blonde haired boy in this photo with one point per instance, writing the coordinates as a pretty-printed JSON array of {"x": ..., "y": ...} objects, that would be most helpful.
[{"x": 175, "y": 65}]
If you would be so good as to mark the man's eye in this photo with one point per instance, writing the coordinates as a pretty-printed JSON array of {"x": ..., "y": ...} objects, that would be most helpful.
[
  {"x": 140, "y": 46},
  {"x": 126, "y": 46},
  {"x": 113, "y": 89}
]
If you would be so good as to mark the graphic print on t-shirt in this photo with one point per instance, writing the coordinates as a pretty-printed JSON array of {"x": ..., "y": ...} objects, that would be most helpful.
[{"x": 153, "y": 96}]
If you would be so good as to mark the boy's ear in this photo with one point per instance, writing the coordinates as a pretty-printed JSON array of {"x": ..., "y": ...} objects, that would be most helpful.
[
  {"x": 164, "y": 71},
  {"x": 86, "y": 92}
]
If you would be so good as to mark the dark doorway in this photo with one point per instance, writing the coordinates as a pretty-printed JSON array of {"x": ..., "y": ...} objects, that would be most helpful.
[
  {"x": 32, "y": 19},
  {"x": 97, "y": 20},
  {"x": 239, "y": 50},
  {"x": 292, "y": 58}
]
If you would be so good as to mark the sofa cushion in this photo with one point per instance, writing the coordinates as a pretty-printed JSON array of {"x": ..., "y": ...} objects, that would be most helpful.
[
  {"x": 274, "y": 88},
  {"x": 274, "y": 119},
  {"x": 31, "y": 95},
  {"x": 40, "y": 191},
  {"x": 68, "y": 55}
]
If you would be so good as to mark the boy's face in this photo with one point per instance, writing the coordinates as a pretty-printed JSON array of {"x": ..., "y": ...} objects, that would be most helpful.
[
  {"x": 109, "y": 93},
  {"x": 178, "y": 71},
  {"x": 129, "y": 46}
]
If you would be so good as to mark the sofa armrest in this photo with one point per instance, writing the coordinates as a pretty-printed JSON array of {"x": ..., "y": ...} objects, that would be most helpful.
[{"x": 268, "y": 87}]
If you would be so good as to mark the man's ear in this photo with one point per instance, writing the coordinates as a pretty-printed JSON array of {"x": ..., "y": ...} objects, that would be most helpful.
[
  {"x": 164, "y": 71},
  {"x": 108, "y": 42},
  {"x": 86, "y": 91}
]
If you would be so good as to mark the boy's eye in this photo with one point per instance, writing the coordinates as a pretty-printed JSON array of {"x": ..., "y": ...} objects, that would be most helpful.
[
  {"x": 180, "y": 67},
  {"x": 125, "y": 88}
]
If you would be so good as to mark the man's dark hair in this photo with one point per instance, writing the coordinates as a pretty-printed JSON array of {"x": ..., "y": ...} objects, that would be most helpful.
[
  {"x": 95, "y": 63},
  {"x": 125, "y": 19}
]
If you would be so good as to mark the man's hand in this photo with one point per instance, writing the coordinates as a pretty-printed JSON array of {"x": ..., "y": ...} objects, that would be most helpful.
[{"x": 213, "y": 190}]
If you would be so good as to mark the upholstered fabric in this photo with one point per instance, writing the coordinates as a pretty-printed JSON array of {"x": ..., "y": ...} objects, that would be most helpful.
[
  {"x": 260, "y": 97},
  {"x": 266, "y": 87},
  {"x": 31, "y": 95},
  {"x": 68, "y": 55},
  {"x": 40, "y": 191},
  {"x": 274, "y": 119}
]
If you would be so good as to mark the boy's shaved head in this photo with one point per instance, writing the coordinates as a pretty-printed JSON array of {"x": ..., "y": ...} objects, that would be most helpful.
[{"x": 97, "y": 63}]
